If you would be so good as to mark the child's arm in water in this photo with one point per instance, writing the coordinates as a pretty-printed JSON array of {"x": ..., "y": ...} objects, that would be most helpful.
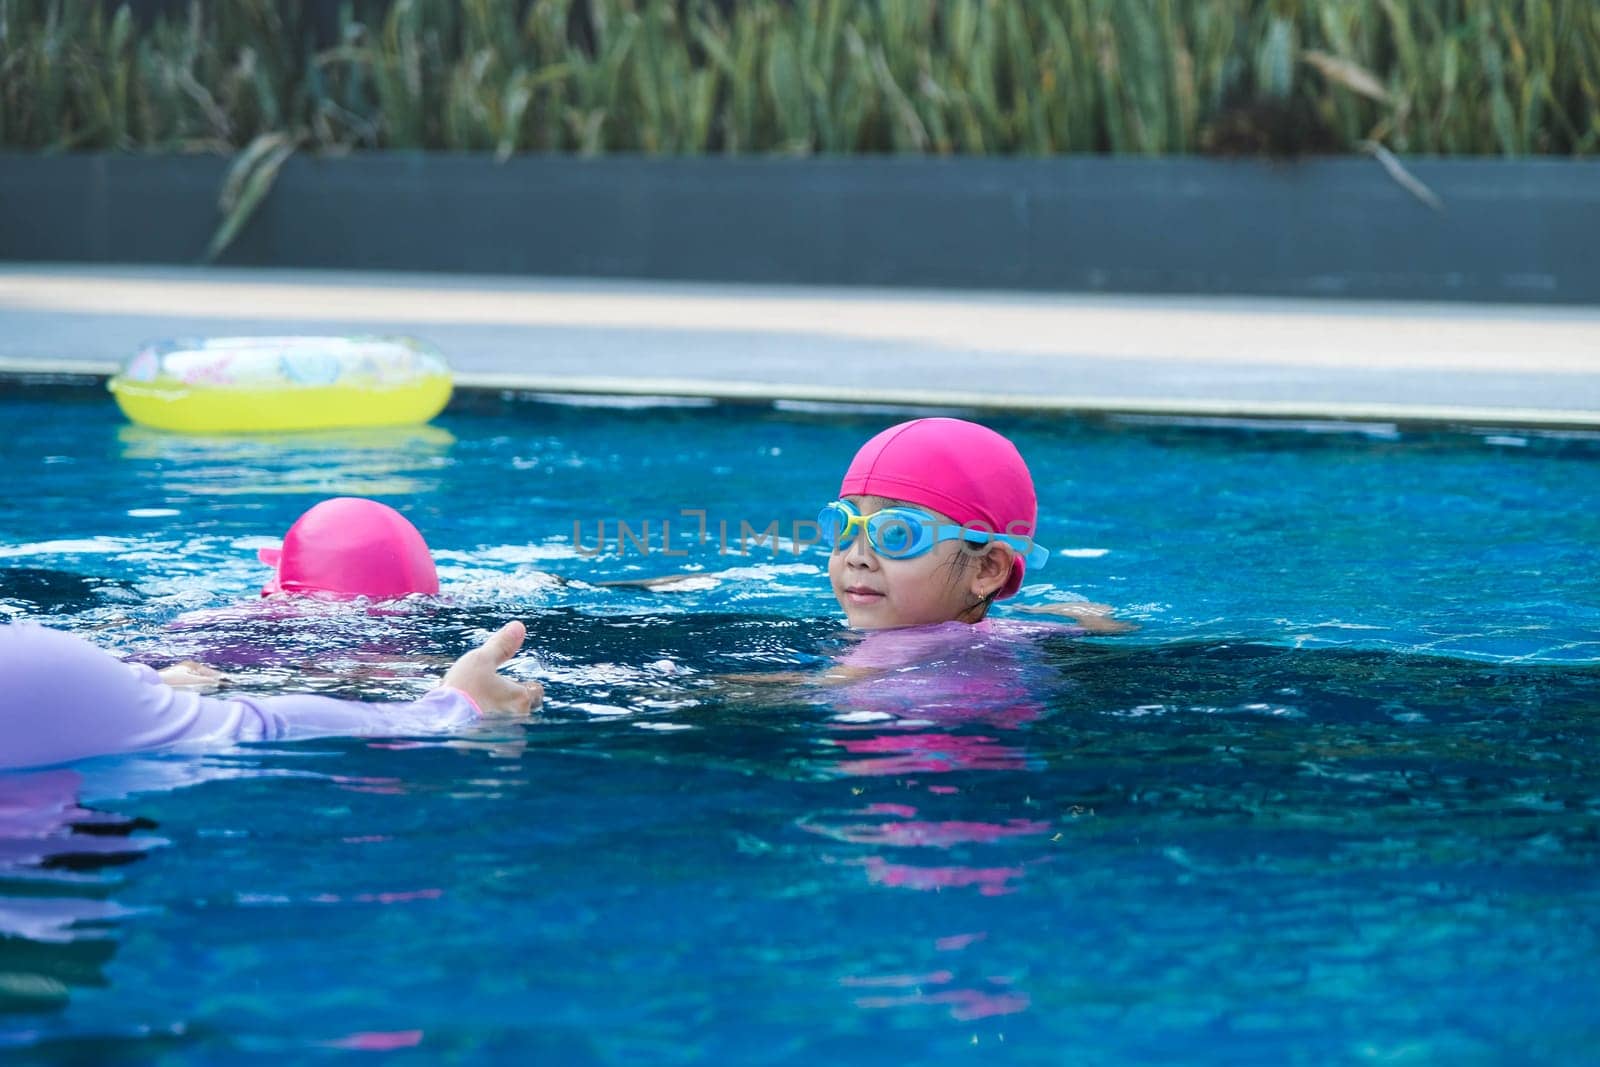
[
  {"x": 63, "y": 699},
  {"x": 1094, "y": 618},
  {"x": 837, "y": 674}
]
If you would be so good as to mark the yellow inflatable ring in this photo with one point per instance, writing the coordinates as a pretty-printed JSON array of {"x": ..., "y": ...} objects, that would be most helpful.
[{"x": 267, "y": 384}]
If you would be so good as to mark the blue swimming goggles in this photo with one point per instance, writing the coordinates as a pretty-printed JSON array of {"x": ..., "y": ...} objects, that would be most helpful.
[{"x": 900, "y": 532}]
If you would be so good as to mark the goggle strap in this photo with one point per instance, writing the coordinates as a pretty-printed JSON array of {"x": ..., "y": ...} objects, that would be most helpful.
[{"x": 1033, "y": 554}]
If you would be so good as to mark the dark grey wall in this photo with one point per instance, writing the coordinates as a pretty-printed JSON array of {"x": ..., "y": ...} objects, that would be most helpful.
[{"x": 1509, "y": 231}]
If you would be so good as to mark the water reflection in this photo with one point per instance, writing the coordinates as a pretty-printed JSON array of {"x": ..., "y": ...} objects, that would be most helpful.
[
  {"x": 926, "y": 719},
  {"x": 916, "y": 750},
  {"x": 57, "y": 921},
  {"x": 381, "y": 461}
]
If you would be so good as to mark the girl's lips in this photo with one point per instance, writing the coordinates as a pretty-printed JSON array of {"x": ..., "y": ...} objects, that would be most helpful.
[{"x": 862, "y": 595}]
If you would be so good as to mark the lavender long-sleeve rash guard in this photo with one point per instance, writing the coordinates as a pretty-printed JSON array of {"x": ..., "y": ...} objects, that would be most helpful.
[{"x": 63, "y": 699}]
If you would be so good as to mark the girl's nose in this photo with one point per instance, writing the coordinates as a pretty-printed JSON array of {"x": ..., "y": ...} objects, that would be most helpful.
[{"x": 859, "y": 554}]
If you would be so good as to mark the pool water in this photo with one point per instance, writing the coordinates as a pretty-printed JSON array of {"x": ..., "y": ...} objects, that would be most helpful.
[{"x": 1335, "y": 800}]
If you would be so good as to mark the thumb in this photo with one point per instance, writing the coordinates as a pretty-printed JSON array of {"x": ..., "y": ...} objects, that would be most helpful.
[{"x": 506, "y": 641}]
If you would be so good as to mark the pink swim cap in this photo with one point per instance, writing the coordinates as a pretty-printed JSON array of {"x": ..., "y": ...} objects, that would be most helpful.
[
  {"x": 959, "y": 468},
  {"x": 348, "y": 547}
]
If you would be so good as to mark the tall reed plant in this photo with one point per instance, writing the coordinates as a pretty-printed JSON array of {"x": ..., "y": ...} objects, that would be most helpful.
[{"x": 808, "y": 77}]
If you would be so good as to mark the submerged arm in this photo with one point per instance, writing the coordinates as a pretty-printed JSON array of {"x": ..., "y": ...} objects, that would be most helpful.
[{"x": 1094, "y": 618}]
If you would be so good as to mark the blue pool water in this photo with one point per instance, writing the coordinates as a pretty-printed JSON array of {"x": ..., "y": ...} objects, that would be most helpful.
[{"x": 1336, "y": 800}]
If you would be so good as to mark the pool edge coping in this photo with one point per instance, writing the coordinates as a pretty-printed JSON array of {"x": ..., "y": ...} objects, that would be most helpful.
[{"x": 737, "y": 391}]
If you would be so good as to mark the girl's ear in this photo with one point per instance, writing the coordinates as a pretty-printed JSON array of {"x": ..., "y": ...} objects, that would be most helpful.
[{"x": 993, "y": 568}]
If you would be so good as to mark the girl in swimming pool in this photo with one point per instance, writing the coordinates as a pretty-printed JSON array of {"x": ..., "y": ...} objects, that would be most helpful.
[
  {"x": 348, "y": 547},
  {"x": 934, "y": 523},
  {"x": 339, "y": 551}
]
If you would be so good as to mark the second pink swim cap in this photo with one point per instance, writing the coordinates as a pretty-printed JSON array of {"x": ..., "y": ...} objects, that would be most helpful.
[
  {"x": 959, "y": 468},
  {"x": 348, "y": 547}
]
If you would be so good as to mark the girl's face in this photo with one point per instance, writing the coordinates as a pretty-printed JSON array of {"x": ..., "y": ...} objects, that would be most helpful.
[{"x": 878, "y": 593}]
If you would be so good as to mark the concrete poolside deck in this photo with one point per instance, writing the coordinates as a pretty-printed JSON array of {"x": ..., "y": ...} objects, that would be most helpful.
[{"x": 1201, "y": 357}]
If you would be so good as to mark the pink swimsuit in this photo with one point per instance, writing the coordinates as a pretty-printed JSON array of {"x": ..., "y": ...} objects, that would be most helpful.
[{"x": 984, "y": 671}]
